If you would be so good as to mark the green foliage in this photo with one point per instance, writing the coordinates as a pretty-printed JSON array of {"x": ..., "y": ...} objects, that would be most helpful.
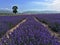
[
  {"x": 3, "y": 30},
  {"x": 15, "y": 9},
  {"x": 42, "y": 20},
  {"x": 10, "y": 25},
  {"x": 55, "y": 27}
]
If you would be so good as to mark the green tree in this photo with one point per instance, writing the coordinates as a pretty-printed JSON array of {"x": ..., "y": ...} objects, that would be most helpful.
[{"x": 15, "y": 9}]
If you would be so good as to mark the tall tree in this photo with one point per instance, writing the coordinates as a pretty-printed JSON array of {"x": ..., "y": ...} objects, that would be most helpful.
[{"x": 15, "y": 9}]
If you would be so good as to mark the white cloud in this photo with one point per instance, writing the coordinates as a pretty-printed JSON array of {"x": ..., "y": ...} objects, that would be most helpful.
[
  {"x": 53, "y": 5},
  {"x": 38, "y": 3},
  {"x": 4, "y": 9}
]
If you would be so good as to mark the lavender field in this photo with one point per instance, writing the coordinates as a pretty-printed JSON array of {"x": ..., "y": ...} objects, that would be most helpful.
[{"x": 34, "y": 29}]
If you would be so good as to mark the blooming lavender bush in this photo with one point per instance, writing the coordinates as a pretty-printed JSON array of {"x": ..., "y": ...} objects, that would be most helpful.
[
  {"x": 52, "y": 20},
  {"x": 8, "y": 22},
  {"x": 29, "y": 33}
]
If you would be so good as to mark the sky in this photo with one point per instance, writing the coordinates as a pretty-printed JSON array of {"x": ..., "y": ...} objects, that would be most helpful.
[{"x": 31, "y": 5}]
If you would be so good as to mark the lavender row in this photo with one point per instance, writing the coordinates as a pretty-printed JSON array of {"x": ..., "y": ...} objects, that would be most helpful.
[
  {"x": 30, "y": 33},
  {"x": 52, "y": 20},
  {"x": 8, "y": 22},
  {"x": 49, "y": 17}
]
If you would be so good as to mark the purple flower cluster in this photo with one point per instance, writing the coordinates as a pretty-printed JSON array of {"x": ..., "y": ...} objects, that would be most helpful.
[
  {"x": 52, "y": 20},
  {"x": 30, "y": 33},
  {"x": 8, "y": 22}
]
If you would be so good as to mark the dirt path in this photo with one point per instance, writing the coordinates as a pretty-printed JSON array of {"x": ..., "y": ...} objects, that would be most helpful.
[
  {"x": 11, "y": 30},
  {"x": 45, "y": 25},
  {"x": 49, "y": 29}
]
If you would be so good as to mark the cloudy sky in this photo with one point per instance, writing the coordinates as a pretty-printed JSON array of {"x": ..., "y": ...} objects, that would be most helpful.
[{"x": 28, "y": 5}]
